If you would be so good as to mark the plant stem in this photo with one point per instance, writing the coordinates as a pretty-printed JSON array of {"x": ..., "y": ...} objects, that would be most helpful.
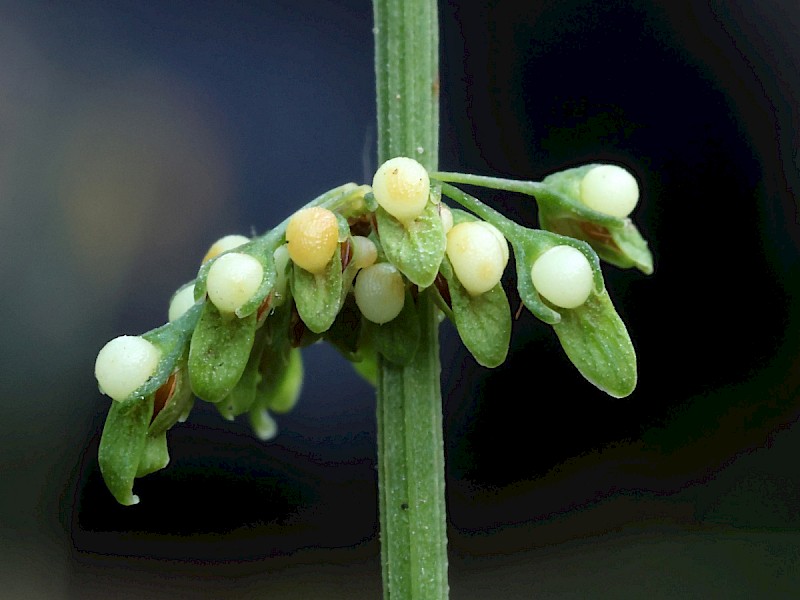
[{"x": 410, "y": 448}]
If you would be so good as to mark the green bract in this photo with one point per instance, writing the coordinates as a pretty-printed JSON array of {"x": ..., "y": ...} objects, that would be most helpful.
[
  {"x": 318, "y": 296},
  {"x": 219, "y": 352},
  {"x": 416, "y": 250}
]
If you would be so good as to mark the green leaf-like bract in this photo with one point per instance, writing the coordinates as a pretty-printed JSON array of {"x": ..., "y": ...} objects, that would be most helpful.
[
  {"x": 597, "y": 342},
  {"x": 177, "y": 406},
  {"x": 483, "y": 321},
  {"x": 243, "y": 395},
  {"x": 155, "y": 455},
  {"x": 416, "y": 249},
  {"x": 281, "y": 368},
  {"x": 218, "y": 353},
  {"x": 318, "y": 297},
  {"x": 122, "y": 445}
]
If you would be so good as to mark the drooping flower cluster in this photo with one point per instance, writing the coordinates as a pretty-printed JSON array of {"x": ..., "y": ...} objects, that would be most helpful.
[{"x": 348, "y": 268}]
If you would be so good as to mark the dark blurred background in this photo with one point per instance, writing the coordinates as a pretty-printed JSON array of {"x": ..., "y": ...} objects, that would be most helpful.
[{"x": 132, "y": 135}]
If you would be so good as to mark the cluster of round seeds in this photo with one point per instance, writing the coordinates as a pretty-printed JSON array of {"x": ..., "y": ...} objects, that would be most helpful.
[
  {"x": 380, "y": 292},
  {"x": 312, "y": 235},
  {"x": 232, "y": 280},
  {"x": 124, "y": 364},
  {"x": 563, "y": 276},
  {"x": 479, "y": 255},
  {"x": 610, "y": 189},
  {"x": 401, "y": 186}
]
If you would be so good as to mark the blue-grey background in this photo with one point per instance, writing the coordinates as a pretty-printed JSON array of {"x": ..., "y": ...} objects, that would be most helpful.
[{"x": 134, "y": 134}]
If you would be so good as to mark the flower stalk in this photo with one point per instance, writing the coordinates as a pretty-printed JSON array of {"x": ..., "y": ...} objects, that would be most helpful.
[{"x": 409, "y": 407}]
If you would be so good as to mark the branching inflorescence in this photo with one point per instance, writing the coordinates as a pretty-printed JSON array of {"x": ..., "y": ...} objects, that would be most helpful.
[{"x": 348, "y": 268}]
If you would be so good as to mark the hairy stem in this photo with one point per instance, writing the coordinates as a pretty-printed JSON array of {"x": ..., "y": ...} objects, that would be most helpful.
[{"x": 409, "y": 412}]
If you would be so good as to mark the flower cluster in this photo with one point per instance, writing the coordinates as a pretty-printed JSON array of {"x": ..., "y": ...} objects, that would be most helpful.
[{"x": 348, "y": 268}]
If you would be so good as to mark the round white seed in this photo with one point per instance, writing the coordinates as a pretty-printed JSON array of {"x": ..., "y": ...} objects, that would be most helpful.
[
  {"x": 380, "y": 292},
  {"x": 232, "y": 280},
  {"x": 223, "y": 244},
  {"x": 124, "y": 364},
  {"x": 563, "y": 276},
  {"x": 446, "y": 215},
  {"x": 402, "y": 187},
  {"x": 479, "y": 255},
  {"x": 611, "y": 190},
  {"x": 281, "y": 258},
  {"x": 182, "y": 301},
  {"x": 365, "y": 253}
]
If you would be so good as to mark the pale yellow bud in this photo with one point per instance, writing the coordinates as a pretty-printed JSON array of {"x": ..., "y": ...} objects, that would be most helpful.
[
  {"x": 232, "y": 280},
  {"x": 365, "y": 253},
  {"x": 479, "y": 255},
  {"x": 563, "y": 276},
  {"x": 611, "y": 190},
  {"x": 379, "y": 292},
  {"x": 124, "y": 364},
  {"x": 223, "y": 244},
  {"x": 402, "y": 187},
  {"x": 182, "y": 301}
]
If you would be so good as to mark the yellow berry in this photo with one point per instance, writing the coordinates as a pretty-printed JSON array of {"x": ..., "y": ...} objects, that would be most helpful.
[
  {"x": 379, "y": 292},
  {"x": 563, "y": 276},
  {"x": 232, "y": 280},
  {"x": 401, "y": 186},
  {"x": 479, "y": 255},
  {"x": 182, "y": 301},
  {"x": 223, "y": 244},
  {"x": 611, "y": 190},
  {"x": 312, "y": 236},
  {"x": 124, "y": 364}
]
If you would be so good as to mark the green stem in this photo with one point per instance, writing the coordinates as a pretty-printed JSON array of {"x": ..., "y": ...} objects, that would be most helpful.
[{"x": 410, "y": 448}]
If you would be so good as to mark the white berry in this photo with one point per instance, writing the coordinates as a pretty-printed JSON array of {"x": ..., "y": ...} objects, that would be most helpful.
[
  {"x": 401, "y": 186},
  {"x": 232, "y": 280},
  {"x": 223, "y": 244},
  {"x": 611, "y": 190},
  {"x": 379, "y": 292},
  {"x": 124, "y": 364},
  {"x": 182, "y": 301},
  {"x": 563, "y": 276},
  {"x": 479, "y": 255},
  {"x": 365, "y": 253},
  {"x": 446, "y": 215}
]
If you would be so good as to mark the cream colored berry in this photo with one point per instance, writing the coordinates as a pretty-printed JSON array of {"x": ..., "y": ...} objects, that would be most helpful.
[
  {"x": 611, "y": 190},
  {"x": 312, "y": 236},
  {"x": 281, "y": 258},
  {"x": 232, "y": 280},
  {"x": 402, "y": 187},
  {"x": 182, "y": 301},
  {"x": 124, "y": 364},
  {"x": 223, "y": 244},
  {"x": 563, "y": 276},
  {"x": 379, "y": 292},
  {"x": 446, "y": 215},
  {"x": 365, "y": 253},
  {"x": 479, "y": 255}
]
